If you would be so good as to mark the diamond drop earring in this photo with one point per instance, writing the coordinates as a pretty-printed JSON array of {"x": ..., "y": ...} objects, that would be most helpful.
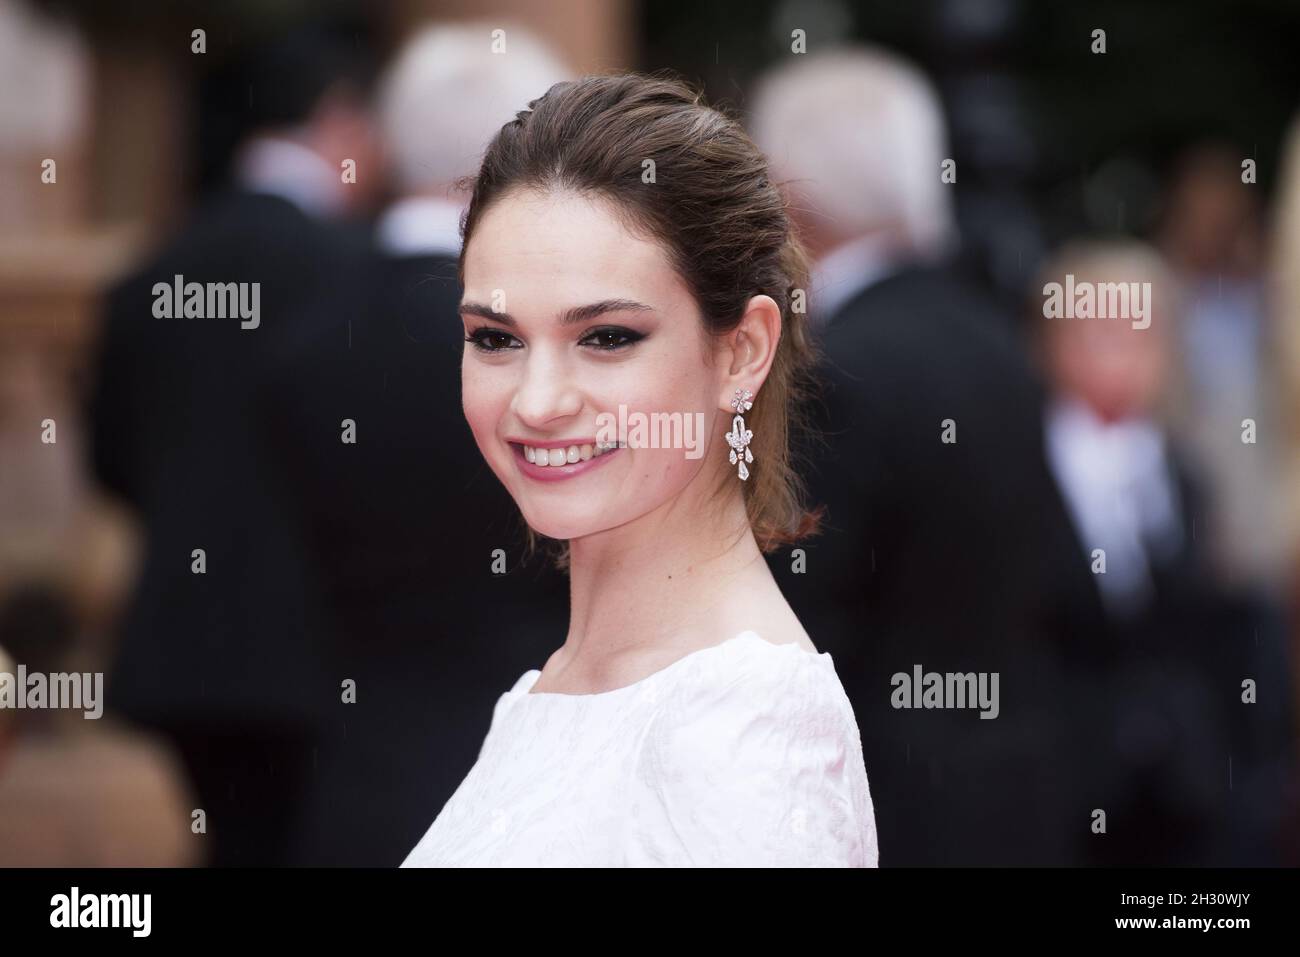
[{"x": 739, "y": 436}]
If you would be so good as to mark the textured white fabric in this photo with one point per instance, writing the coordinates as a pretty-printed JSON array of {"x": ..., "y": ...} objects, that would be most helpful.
[{"x": 745, "y": 753}]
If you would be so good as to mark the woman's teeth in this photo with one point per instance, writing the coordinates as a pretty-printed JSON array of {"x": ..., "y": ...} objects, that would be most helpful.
[{"x": 574, "y": 453}]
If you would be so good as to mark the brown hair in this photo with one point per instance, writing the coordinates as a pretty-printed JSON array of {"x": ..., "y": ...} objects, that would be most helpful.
[{"x": 712, "y": 207}]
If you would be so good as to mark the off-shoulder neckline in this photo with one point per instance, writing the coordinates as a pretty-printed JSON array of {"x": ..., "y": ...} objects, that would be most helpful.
[{"x": 523, "y": 687}]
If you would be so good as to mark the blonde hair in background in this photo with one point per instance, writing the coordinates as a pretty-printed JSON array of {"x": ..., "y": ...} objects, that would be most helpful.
[
  {"x": 860, "y": 134},
  {"x": 447, "y": 93},
  {"x": 1123, "y": 260}
]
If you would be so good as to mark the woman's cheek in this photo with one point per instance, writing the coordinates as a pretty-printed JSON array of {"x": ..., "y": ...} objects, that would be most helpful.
[{"x": 480, "y": 403}]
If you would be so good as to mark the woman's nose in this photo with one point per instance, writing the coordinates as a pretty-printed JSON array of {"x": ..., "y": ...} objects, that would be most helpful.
[{"x": 546, "y": 393}]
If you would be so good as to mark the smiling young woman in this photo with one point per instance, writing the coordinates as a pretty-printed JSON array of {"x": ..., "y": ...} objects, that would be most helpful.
[{"x": 623, "y": 247}]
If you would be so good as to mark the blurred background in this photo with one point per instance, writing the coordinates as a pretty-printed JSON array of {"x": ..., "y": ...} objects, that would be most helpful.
[{"x": 304, "y": 628}]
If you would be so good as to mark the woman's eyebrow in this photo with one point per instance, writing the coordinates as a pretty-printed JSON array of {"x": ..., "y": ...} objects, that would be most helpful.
[
  {"x": 580, "y": 314},
  {"x": 574, "y": 316}
]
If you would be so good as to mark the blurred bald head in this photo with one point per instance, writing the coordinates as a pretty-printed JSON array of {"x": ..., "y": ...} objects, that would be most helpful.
[
  {"x": 859, "y": 133},
  {"x": 448, "y": 92}
]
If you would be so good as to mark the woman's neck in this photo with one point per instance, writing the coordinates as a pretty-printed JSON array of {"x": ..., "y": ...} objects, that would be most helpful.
[{"x": 666, "y": 580}]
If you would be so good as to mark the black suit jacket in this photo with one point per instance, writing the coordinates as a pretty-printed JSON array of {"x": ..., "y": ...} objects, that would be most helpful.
[
  {"x": 401, "y": 527},
  {"x": 1192, "y": 774},
  {"x": 174, "y": 417},
  {"x": 956, "y": 556}
]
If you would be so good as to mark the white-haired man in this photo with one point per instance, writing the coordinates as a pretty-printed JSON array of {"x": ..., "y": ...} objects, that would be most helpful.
[
  {"x": 948, "y": 547},
  {"x": 860, "y": 134},
  {"x": 449, "y": 90}
]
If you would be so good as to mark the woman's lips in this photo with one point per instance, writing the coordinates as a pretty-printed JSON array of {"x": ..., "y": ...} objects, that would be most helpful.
[{"x": 558, "y": 473}]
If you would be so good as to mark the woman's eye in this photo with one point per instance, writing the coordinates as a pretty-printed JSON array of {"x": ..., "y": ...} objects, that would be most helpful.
[
  {"x": 490, "y": 340},
  {"x": 611, "y": 338}
]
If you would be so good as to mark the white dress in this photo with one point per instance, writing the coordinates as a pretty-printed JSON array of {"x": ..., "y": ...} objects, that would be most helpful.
[{"x": 744, "y": 753}]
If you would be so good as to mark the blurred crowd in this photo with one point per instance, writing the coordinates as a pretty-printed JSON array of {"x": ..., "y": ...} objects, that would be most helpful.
[{"x": 292, "y": 571}]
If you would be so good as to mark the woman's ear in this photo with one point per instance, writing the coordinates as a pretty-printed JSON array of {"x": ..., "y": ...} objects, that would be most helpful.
[{"x": 750, "y": 349}]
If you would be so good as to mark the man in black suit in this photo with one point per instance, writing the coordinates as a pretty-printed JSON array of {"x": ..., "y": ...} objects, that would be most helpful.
[
  {"x": 219, "y": 650},
  {"x": 946, "y": 546},
  {"x": 403, "y": 520},
  {"x": 1196, "y": 763},
  {"x": 418, "y": 547}
]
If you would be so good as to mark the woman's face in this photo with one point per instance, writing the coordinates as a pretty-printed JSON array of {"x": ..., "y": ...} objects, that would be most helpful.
[{"x": 568, "y": 316}]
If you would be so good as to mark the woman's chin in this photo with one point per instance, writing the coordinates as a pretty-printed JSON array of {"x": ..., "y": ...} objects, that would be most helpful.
[
  {"x": 562, "y": 529},
  {"x": 566, "y": 527}
]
